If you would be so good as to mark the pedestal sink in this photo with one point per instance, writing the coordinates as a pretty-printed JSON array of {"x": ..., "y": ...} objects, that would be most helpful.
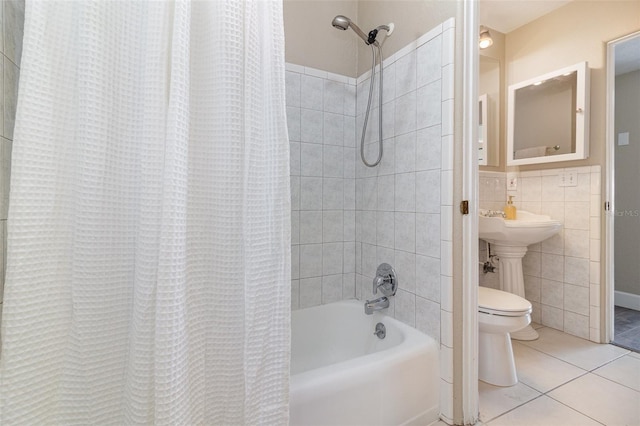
[{"x": 509, "y": 240}]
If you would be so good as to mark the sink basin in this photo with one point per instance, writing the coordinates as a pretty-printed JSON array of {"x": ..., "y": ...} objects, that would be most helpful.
[{"x": 528, "y": 228}]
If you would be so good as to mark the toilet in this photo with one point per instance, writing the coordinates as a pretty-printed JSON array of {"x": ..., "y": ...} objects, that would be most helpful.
[{"x": 499, "y": 313}]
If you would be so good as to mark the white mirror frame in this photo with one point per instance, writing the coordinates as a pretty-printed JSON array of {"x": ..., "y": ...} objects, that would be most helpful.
[
  {"x": 582, "y": 117},
  {"x": 483, "y": 130}
]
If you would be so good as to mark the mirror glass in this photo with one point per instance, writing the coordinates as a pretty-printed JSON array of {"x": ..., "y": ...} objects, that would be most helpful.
[
  {"x": 548, "y": 117},
  {"x": 489, "y": 108}
]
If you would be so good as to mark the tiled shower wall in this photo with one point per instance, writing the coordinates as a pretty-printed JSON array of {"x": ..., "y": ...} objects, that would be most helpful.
[
  {"x": 321, "y": 119},
  {"x": 11, "y": 30},
  {"x": 404, "y": 205},
  {"x": 561, "y": 274},
  {"x": 347, "y": 218}
]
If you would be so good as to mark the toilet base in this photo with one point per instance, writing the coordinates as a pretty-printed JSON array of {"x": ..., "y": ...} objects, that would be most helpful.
[
  {"x": 496, "y": 362},
  {"x": 527, "y": 333}
]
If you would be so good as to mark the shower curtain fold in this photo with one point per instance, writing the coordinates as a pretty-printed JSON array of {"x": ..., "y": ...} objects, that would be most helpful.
[{"x": 148, "y": 269}]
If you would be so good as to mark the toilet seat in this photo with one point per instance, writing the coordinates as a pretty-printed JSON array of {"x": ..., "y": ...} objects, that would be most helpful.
[{"x": 502, "y": 303}]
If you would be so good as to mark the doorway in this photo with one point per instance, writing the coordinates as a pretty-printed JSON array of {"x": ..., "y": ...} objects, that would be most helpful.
[{"x": 623, "y": 218}]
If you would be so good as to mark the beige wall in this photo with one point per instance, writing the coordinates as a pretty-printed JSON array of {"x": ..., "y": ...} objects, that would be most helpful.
[
  {"x": 573, "y": 33},
  {"x": 310, "y": 40},
  {"x": 627, "y": 222}
]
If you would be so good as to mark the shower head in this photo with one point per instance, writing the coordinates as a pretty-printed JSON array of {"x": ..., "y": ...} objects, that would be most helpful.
[{"x": 342, "y": 23}]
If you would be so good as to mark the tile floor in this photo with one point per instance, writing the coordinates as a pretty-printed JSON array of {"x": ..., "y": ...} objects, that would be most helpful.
[
  {"x": 627, "y": 328},
  {"x": 565, "y": 381}
]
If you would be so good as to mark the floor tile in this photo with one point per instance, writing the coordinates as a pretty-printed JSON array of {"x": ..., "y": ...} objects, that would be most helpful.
[
  {"x": 601, "y": 399},
  {"x": 496, "y": 400},
  {"x": 543, "y": 411},
  {"x": 540, "y": 371},
  {"x": 574, "y": 350},
  {"x": 625, "y": 371}
]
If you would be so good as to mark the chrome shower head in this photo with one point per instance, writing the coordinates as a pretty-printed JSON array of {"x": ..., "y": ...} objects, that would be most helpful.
[{"x": 342, "y": 23}]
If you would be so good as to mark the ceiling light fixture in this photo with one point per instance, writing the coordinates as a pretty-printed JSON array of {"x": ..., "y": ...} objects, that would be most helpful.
[{"x": 485, "y": 38}]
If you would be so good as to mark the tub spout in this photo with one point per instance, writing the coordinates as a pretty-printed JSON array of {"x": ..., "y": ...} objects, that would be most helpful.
[{"x": 370, "y": 306}]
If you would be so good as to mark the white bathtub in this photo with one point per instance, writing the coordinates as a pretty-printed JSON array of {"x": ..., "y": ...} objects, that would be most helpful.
[{"x": 341, "y": 374}]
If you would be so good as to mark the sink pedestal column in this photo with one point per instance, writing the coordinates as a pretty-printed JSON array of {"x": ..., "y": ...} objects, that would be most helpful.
[{"x": 512, "y": 280}]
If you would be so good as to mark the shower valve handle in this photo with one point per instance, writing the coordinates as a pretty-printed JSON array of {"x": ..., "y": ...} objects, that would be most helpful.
[{"x": 385, "y": 280}]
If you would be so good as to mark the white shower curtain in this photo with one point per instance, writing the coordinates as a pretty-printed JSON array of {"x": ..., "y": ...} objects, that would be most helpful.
[{"x": 148, "y": 234}]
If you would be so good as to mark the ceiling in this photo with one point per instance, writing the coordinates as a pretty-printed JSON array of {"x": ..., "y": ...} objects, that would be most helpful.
[{"x": 507, "y": 15}]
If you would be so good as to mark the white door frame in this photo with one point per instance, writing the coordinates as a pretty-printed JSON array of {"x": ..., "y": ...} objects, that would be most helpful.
[
  {"x": 607, "y": 310},
  {"x": 470, "y": 63}
]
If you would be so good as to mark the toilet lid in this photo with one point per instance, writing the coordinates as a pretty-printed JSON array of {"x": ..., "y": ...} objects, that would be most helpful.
[{"x": 499, "y": 302}]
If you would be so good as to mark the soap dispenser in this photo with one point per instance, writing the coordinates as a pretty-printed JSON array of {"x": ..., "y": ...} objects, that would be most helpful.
[{"x": 510, "y": 209}]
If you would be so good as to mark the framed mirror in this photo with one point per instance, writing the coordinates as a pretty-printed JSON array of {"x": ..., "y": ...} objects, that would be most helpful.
[
  {"x": 489, "y": 109},
  {"x": 548, "y": 117},
  {"x": 482, "y": 130}
]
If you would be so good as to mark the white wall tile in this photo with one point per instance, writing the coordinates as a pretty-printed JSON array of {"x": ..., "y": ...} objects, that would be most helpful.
[
  {"x": 311, "y": 125},
  {"x": 405, "y": 113},
  {"x": 428, "y": 234},
  {"x": 331, "y": 288},
  {"x": 310, "y": 292},
  {"x": 428, "y": 148},
  {"x": 576, "y": 271},
  {"x": 310, "y": 159},
  {"x": 310, "y": 226},
  {"x": 292, "y": 82},
  {"x": 405, "y": 192},
  {"x": 429, "y": 105},
  {"x": 429, "y": 61},
  {"x": 428, "y": 191},
  {"x": 332, "y": 161},
  {"x": 386, "y": 192},
  {"x": 576, "y": 299},
  {"x": 552, "y": 317},
  {"x": 405, "y": 153},
  {"x": 576, "y": 243},
  {"x": 310, "y": 193},
  {"x": 293, "y": 123},
  {"x": 428, "y": 319},
  {"x": 332, "y": 226},
  {"x": 405, "y": 264},
  {"x": 405, "y": 307},
  {"x": 295, "y": 262},
  {"x": 405, "y": 231},
  {"x": 332, "y": 193},
  {"x": 334, "y": 96},
  {"x": 332, "y": 129},
  {"x": 311, "y": 92},
  {"x": 310, "y": 260},
  {"x": 405, "y": 74},
  {"x": 385, "y": 229},
  {"x": 332, "y": 258},
  {"x": 428, "y": 278}
]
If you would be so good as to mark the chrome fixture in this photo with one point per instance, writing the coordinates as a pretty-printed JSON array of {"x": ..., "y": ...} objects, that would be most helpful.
[
  {"x": 381, "y": 331},
  {"x": 370, "y": 306},
  {"x": 485, "y": 38},
  {"x": 387, "y": 282},
  {"x": 342, "y": 23}
]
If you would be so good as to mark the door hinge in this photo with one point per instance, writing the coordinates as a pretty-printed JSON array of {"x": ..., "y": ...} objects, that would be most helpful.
[
  {"x": 464, "y": 206},
  {"x": 607, "y": 206}
]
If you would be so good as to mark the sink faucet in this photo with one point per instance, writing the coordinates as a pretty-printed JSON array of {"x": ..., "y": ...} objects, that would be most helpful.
[{"x": 370, "y": 306}]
